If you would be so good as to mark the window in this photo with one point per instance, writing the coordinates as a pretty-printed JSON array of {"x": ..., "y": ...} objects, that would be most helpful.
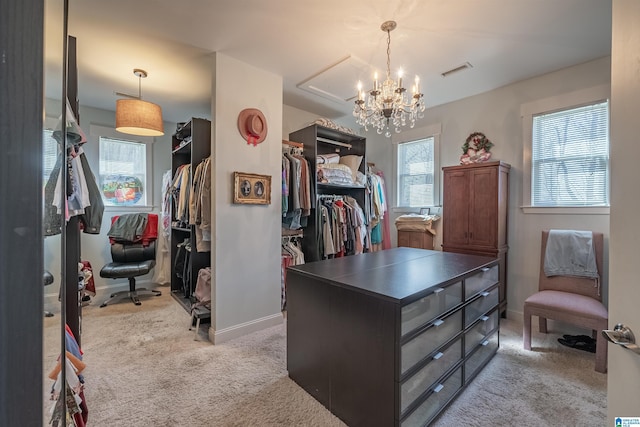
[
  {"x": 123, "y": 172},
  {"x": 570, "y": 157},
  {"x": 49, "y": 154},
  {"x": 416, "y": 170},
  {"x": 566, "y": 153}
]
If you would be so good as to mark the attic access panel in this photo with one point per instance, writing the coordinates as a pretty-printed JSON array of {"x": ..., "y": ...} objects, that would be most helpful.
[{"x": 338, "y": 82}]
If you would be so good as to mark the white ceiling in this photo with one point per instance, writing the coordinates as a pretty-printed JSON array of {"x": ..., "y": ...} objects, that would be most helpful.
[{"x": 504, "y": 40}]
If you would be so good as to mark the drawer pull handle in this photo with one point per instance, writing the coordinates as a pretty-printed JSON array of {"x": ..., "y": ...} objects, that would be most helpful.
[
  {"x": 485, "y": 294},
  {"x": 438, "y": 290},
  {"x": 438, "y": 356},
  {"x": 438, "y": 322},
  {"x": 485, "y": 342},
  {"x": 438, "y": 388},
  {"x": 484, "y": 318},
  {"x": 485, "y": 269}
]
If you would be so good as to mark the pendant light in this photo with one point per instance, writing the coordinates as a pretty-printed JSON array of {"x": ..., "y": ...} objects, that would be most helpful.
[{"x": 137, "y": 117}]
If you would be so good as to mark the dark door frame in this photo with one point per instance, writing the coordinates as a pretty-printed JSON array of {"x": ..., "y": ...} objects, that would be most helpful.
[{"x": 21, "y": 244}]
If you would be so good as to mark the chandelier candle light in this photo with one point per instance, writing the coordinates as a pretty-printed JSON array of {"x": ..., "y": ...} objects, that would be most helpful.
[{"x": 388, "y": 104}]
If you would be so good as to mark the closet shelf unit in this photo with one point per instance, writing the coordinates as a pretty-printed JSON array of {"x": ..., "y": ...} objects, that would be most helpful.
[
  {"x": 191, "y": 144},
  {"x": 318, "y": 140}
]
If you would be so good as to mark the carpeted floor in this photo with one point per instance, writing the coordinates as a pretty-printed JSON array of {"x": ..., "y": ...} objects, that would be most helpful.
[{"x": 144, "y": 368}]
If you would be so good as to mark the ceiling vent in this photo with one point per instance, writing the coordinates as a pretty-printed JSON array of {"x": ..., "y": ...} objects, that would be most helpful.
[
  {"x": 456, "y": 69},
  {"x": 337, "y": 82}
]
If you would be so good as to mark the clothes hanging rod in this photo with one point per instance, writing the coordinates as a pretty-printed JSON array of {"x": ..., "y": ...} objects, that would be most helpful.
[
  {"x": 293, "y": 144},
  {"x": 330, "y": 141}
]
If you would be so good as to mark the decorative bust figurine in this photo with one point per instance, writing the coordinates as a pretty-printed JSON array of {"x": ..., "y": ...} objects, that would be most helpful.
[{"x": 476, "y": 149}]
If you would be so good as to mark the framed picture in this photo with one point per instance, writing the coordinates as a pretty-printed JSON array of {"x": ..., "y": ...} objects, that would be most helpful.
[
  {"x": 251, "y": 188},
  {"x": 425, "y": 211}
]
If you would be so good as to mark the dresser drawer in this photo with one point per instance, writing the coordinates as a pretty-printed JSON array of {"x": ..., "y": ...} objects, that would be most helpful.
[
  {"x": 480, "y": 281},
  {"x": 415, "y": 385},
  {"x": 442, "y": 394},
  {"x": 440, "y": 331},
  {"x": 477, "y": 360},
  {"x": 425, "y": 309},
  {"x": 480, "y": 331},
  {"x": 487, "y": 301}
]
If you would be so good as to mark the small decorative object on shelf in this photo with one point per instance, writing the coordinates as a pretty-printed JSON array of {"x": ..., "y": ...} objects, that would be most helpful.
[{"x": 476, "y": 149}]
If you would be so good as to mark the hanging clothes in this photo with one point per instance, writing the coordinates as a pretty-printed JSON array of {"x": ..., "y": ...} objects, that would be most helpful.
[
  {"x": 341, "y": 227},
  {"x": 162, "y": 271},
  {"x": 181, "y": 188},
  {"x": 298, "y": 195},
  {"x": 378, "y": 209},
  {"x": 91, "y": 219},
  {"x": 291, "y": 255},
  {"x": 83, "y": 195},
  {"x": 200, "y": 205},
  {"x": 76, "y": 404}
]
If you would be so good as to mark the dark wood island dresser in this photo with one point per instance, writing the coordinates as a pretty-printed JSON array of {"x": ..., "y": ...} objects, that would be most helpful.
[{"x": 390, "y": 338}]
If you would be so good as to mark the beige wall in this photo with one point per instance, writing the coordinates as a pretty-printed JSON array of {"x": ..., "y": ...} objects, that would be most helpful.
[
  {"x": 246, "y": 240},
  {"x": 497, "y": 114}
]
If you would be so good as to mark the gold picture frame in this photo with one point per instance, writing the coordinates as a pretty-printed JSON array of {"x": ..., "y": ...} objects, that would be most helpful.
[{"x": 251, "y": 188}]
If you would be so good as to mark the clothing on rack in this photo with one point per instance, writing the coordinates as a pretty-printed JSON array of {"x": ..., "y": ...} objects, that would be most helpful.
[
  {"x": 377, "y": 209},
  {"x": 181, "y": 188},
  {"x": 84, "y": 198},
  {"x": 76, "y": 404},
  {"x": 86, "y": 271},
  {"x": 200, "y": 205},
  {"x": 162, "y": 271},
  {"x": 77, "y": 190},
  {"x": 291, "y": 255},
  {"x": 342, "y": 227},
  {"x": 297, "y": 191}
]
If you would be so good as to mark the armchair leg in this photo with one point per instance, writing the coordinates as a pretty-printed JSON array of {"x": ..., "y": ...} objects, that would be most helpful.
[
  {"x": 526, "y": 330},
  {"x": 601, "y": 351},
  {"x": 542, "y": 324}
]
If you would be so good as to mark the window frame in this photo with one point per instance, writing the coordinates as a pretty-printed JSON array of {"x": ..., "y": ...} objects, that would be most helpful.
[
  {"x": 97, "y": 131},
  {"x": 552, "y": 104},
  {"x": 413, "y": 135}
]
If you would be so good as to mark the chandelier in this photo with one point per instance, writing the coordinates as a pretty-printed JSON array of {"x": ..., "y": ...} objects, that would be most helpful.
[{"x": 388, "y": 104}]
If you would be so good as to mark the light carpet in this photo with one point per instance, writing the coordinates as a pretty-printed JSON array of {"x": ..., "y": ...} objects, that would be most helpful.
[{"x": 144, "y": 368}]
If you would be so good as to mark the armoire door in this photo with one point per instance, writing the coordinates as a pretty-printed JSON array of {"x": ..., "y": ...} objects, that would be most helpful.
[
  {"x": 456, "y": 202},
  {"x": 483, "y": 205}
]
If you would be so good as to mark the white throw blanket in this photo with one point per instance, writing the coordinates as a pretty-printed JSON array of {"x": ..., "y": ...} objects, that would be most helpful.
[{"x": 570, "y": 253}]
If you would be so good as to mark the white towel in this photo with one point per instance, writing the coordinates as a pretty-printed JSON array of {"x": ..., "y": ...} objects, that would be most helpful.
[{"x": 570, "y": 253}]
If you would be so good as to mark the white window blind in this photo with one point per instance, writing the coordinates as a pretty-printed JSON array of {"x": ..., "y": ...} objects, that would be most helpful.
[
  {"x": 416, "y": 184},
  {"x": 570, "y": 157},
  {"x": 49, "y": 153},
  {"x": 123, "y": 172}
]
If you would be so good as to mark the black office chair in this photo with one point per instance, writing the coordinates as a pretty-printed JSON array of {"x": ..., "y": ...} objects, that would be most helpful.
[{"x": 130, "y": 260}]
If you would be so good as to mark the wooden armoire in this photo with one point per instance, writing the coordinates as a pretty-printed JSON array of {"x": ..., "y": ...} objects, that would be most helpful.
[{"x": 475, "y": 212}]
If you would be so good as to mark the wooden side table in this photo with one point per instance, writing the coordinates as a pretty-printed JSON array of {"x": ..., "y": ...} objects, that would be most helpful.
[{"x": 415, "y": 239}]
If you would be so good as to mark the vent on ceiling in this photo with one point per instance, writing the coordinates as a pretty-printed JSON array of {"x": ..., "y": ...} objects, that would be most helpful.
[
  {"x": 456, "y": 69},
  {"x": 337, "y": 82}
]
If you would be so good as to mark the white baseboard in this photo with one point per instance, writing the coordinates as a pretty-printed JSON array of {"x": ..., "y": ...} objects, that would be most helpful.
[
  {"x": 236, "y": 331},
  {"x": 515, "y": 315}
]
